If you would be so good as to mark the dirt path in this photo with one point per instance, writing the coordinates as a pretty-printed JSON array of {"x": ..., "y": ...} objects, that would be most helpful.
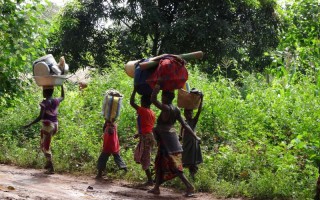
[{"x": 19, "y": 184}]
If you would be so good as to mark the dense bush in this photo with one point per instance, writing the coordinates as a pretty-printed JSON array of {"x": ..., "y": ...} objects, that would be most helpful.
[{"x": 259, "y": 138}]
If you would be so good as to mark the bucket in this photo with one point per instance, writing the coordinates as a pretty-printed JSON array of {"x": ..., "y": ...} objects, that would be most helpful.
[
  {"x": 188, "y": 100},
  {"x": 111, "y": 105}
]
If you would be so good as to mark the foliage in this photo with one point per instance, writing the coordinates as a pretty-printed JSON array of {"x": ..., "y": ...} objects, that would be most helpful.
[
  {"x": 260, "y": 132},
  {"x": 23, "y": 38},
  {"x": 259, "y": 139},
  {"x": 236, "y": 30},
  {"x": 80, "y": 34},
  {"x": 299, "y": 46}
]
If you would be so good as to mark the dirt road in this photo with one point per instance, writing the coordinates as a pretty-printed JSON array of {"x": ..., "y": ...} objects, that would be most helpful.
[{"x": 20, "y": 184}]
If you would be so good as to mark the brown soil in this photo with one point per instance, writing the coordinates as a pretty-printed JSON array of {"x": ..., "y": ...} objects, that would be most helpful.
[{"x": 20, "y": 184}]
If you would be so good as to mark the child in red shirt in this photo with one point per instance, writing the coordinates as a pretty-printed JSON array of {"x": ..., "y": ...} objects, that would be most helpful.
[
  {"x": 110, "y": 147},
  {"x": 146, "y": 119}
]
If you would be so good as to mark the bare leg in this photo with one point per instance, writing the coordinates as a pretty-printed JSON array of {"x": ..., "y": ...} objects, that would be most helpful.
[
  {"x": 149, "y": 176},
  {"x": 49, "y": 164},
  {"x": 190, "y": 188},
  {"x": 156, "y": 188},
  {"x": 193, "y": 170}
]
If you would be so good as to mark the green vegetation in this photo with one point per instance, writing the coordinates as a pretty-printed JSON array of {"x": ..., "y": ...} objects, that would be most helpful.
[
  {"x": 260, "y": 121},
  {"x": 23, "y": 33},
  {"x": 258, "y": 138}
]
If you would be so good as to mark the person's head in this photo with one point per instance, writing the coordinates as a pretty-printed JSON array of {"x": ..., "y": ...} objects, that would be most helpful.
[
  {"x": 167, "y": 97},
  {"x": 47, "y": 92},
  {"x": 188, "y": 113},
  {"x": 145, "y": 101}
]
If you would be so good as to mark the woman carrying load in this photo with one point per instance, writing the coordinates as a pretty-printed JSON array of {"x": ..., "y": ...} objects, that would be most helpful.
[{"x": 168, "y": 163}]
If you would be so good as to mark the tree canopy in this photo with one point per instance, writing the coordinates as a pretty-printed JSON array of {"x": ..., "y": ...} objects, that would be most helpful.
[
  {"x": 22, "y": 36},
  {"x": 235, "y": 30}
]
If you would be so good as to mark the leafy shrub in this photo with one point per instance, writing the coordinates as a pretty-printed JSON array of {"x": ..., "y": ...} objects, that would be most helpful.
[{"x": 260, "y": 139}]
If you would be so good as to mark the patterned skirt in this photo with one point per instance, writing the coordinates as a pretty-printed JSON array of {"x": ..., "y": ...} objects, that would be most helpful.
[
  {"x": 142, "y": 153},
  {"x": 167, "y": 166},
  {"x": 48, "y": 129}
]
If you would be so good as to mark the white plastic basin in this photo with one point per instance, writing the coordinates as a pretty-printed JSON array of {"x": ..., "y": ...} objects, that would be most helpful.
[{"x": 51, "y": 80}]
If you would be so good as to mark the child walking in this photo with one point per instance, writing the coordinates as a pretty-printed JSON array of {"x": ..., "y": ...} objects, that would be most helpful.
[
  {"x": 146, "y": 119},
  {"x": 110, "y": 147},
  {"x": 49, "y": 117},
  {"x": 191, "y": 156}
]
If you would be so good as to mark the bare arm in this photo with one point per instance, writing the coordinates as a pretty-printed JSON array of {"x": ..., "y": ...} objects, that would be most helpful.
[
  {"x": 62, "y": 93},
  {"x": 155, "y": 101},
  {"x": 132, "y": 103},
  {"x": 36, "y": 119},
  {"x": 186, "y": 127},
  {"x": 104, "y": 126},
  {"x": 196, "y": 118},
  {"x": 181, "y": 133}
]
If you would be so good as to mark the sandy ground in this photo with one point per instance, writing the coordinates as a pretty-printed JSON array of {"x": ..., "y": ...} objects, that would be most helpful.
[{"x": 19, "y": 184}]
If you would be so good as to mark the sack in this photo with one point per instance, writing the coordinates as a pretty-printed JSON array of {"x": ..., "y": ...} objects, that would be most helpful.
[
  {"x": 188, "y": 100},
  {"x": 171, "y": 73},
  {"x": 140, "y": 77},
  {"x": 111, "y": 105}
]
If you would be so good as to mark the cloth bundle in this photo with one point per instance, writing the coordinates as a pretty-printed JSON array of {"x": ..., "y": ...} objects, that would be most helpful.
[
  {"x": 171, "y": 73},
  {"x": 140, "y": 78}
]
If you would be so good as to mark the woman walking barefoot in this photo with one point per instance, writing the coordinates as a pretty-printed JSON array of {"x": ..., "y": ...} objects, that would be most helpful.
[
  {"x": 168, "y": 163},
  {"x": 49, "y": 117},
  {"x": 191, "y": 156}
]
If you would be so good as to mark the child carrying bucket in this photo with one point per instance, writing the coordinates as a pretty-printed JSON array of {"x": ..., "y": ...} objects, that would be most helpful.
[{"x": 111, "y": 146}]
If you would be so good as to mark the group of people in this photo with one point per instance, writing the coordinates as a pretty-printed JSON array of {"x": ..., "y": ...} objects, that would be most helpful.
[{"x": 171, "y": 156}]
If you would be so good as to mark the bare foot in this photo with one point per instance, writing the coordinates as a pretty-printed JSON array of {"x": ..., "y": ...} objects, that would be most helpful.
[
  {"x": 99, "y": 177},
  {"x": 189, "y": 192},
  {"x": 148, "y": 183},
  {"x": 50, "y": 171},
  {"x": 154, "y": 191}
]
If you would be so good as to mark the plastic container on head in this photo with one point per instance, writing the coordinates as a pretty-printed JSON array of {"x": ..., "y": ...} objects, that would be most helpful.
[{"x": 111, "y": 105}]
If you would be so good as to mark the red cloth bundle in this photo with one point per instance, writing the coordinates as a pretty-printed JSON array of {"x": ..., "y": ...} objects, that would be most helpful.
[{"x": 171, "y": 74}]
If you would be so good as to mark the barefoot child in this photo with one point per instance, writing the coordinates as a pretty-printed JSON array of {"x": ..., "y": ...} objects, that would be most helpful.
[
  {"x": 111, "y": 146},
  {"x": 191, "y": 155},
  {"x": 49, "y": 117},
  {"x": 146, "y": 120}
]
